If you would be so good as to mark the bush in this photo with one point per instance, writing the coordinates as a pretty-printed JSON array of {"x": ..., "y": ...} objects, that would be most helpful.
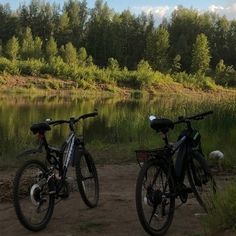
[
  {"x": 9, "y": 67},
  {"x": 198, "y": 80},
  {"x": 30, "y": 67}
]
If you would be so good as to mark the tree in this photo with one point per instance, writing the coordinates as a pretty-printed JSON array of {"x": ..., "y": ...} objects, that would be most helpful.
[
  {"x": 157, "y": 49},
  {"x": 12, "y": 48},
  {"x": 51, "y": 48},
  {"x": 70, "y": 54},
  {"x": 183, "y": 29},
  {"x": 220, "y": 67},
  {"x": 77, "y": 13},
  {"x": 201, "y": 54},
  {"x": 176, "y": 67},
  {"x": 89, "y": 61},
  {"x": 37, "y": 48},
  {"x": 82, "y": 56},
  {"x": 27, "y": 46}
]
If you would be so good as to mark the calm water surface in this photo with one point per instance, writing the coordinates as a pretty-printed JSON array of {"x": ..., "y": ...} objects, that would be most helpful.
[{"x": 122, "y": 124}]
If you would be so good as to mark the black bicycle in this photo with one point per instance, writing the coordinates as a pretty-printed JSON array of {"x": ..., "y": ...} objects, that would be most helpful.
[
  {"x": 38, "y": 184},
  {"x": 161, "y": 179}
]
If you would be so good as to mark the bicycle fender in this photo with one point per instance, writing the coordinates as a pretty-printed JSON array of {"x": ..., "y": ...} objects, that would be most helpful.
[{"x": 29, "y": 152}]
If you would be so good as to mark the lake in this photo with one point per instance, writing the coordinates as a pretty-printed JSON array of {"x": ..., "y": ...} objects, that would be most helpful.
[{"x": 121, "y": 126}]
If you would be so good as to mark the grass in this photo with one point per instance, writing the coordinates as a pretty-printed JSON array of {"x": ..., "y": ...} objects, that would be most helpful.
[{"x": 222, "y": 214}]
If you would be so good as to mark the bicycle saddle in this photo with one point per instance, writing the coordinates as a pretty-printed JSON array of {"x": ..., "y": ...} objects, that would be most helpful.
[
  {"x": 40, "y": 128},
  {"x": 162, "y": 125}
]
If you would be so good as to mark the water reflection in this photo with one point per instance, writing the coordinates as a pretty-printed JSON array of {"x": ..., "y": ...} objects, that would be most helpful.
[{"x": 121, "y": 122}]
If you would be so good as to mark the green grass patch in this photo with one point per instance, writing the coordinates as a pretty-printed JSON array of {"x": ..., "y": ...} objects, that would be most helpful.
[{"x": 222, "y": 213}]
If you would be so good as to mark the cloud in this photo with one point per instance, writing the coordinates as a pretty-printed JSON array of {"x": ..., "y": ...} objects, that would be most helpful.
[
  {"x": 156, "y": 11},
  {"x": 229, "y": 11},
  {"x": 214, "y": 8}
]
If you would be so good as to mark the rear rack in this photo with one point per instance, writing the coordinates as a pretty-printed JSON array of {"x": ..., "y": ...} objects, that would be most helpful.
[{"x": 143, "y": 155}]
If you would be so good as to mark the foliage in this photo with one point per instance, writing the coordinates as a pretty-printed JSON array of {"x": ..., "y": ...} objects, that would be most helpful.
[
  {"x": 27, "y": 45},
  {"x": 201, "y": 54},
  {"x": 12, "y": 48},
  {"x": 69, "y": 54},
  {"x": 126, "y": 37},
  {"x": 51, "y": 48},
  {"x": 222, "y": 211},
  {"x": 112, "y": 64},
  {"x": 225, "y": 75},
  {"x": 82, "y": 56},
  {"x": 157, "y": 49},
  {"x": 75, "y": 40}
]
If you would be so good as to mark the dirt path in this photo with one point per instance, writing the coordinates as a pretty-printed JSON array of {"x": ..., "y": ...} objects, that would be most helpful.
[{"x": 116, "y": 214}]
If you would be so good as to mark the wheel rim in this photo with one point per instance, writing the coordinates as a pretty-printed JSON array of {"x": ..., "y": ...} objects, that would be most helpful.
[
  {"x": 88, "y": 180},
  {"x": 155, "y": 199},
  {"x": 33, "y": 197}
]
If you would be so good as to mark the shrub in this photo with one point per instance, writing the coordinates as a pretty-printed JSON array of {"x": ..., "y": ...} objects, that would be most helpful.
[
  {"x": 9, "y": 67},
  {"x": 30, "y": 67}
]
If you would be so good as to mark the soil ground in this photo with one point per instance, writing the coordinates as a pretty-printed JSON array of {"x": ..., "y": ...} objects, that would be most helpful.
[{"x": 116, "y": 214}]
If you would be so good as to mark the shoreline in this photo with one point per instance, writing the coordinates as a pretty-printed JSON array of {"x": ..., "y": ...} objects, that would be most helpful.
[{"x": 43, "y": 86}]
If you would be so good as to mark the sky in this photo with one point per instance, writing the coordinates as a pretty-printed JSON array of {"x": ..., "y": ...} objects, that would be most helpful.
[{"x": 159, "y": 9}]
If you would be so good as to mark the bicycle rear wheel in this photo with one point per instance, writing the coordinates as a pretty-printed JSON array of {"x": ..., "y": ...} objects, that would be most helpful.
[
  {"x": 155, "y": 198},
  {"x": 33, "y": 205},
  {"x": 201, "y": 180},
  {"x": 87, "y": 178}
]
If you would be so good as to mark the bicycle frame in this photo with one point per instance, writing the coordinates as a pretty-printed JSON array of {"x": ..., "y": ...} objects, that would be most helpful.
[{"x": 185, "y": 150}]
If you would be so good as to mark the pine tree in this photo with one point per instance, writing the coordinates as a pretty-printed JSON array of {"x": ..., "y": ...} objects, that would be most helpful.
[
  {"x": 201, "y": 54},
  {"x": 37, "y": 48},
  {"x": 12, "y": 48},
  {"x": 157, "y": 49},
  {"x": 27, "y": 46},
  {"x": 70, "y": 54},
  {"x": 82, "y": 56},
  {"x": 51, "y": 48}
]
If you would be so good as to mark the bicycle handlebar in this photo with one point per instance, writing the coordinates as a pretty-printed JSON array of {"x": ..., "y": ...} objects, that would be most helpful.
[
  {"x": 195, "y": 117},
  {"x": 73, "y": 120},
  {"x": 201, "y": 115}
]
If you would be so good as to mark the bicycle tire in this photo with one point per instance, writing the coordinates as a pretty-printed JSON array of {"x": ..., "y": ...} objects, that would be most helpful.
[
  {"x": 17, "y": 197},
  {"x": 196, "y": 181},
  {"x": 139, "y": 199},
  {"x": 90, "y": 169}
]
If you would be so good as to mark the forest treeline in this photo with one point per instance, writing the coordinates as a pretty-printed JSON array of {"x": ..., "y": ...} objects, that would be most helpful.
[{"x": 43, "y": 38}]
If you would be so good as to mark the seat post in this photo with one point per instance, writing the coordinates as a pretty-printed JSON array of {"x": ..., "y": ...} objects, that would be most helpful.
[
  {"x": 165, "y": 138},
  {"x": 43, "y": 140}
]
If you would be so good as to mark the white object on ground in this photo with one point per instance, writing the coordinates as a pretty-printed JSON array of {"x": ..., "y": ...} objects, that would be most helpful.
[{"x": 218, "y": 155}]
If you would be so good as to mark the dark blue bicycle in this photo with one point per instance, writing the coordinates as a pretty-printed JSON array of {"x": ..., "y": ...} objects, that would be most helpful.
[{"x": 161, "y": 179}]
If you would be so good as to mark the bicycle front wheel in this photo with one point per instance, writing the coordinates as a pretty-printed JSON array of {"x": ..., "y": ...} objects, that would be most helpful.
[
  {"x": 155, "y": 198},
  {"x": 33, "y": 204},
  {"x": 201, "y": 179},
  {"x": 87, "y": 178}
]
